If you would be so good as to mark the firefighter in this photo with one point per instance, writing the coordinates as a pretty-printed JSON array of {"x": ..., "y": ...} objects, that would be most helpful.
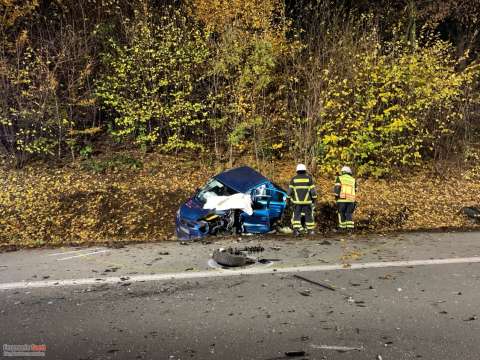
[
  {"x": 345, "y": 191},
  {"x": 302, "y": 194}
]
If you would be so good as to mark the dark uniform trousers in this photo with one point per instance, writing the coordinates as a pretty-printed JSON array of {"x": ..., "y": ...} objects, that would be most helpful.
[
  {"x": 302, "y": 194},
  {"x": 345, "y": 215},
  {"x": 307, "y": 212}
]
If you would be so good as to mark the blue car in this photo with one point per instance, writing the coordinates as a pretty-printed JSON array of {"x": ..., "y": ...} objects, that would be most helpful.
[{"x": 268, "y": 203}]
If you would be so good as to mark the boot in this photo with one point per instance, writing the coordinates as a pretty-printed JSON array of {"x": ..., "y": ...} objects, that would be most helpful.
[{"x": 296, "y": 233}]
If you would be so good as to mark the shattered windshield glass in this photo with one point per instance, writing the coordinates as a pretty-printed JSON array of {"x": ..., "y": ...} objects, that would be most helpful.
[{"x": 213, "y": 188}]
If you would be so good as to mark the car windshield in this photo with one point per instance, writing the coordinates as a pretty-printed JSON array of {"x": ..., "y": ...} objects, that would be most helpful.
[{"x": 213, "y": 188}]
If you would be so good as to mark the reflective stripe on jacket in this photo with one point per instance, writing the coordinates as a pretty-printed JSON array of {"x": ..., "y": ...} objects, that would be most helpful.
[
  {"x": 302, "y": 190},
  {"x": 345, "y": 188}
]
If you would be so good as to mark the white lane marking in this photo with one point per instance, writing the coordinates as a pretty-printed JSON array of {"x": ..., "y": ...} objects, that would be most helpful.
[
  {"x": 228, "y": 273},
  {"x": 71, "y": 252},
  {"x": 81, "y": 255},
  {"x": 337, "y": 348}
]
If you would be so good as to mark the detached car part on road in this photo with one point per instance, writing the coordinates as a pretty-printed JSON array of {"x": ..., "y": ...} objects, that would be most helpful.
[
  {"x": 233, "y": 257},
  {"x": 268, "y": 202}
]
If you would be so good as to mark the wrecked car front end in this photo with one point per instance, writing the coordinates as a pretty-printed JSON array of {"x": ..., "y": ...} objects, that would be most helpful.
[
  {"x": 268, "y": 201},
  {"x": 189, "y": 223}
]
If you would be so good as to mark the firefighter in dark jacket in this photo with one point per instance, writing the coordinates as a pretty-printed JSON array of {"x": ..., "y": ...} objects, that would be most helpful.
[
  {"x": 345, "y": 192},
  {"x": 302, "y": 194}
]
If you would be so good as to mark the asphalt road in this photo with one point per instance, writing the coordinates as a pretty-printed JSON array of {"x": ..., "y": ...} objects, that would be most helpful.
[{"x": 401, "y": 312}]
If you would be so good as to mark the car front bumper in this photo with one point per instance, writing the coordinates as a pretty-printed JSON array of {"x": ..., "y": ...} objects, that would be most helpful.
[{"x": 190, "y": 230}]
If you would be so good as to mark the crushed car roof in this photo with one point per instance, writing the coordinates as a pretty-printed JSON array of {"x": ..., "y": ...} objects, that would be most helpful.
[{"x": 241, "y": 179}]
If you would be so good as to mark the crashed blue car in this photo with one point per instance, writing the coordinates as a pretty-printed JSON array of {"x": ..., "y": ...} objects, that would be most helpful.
[{"x": 268, "y": 202}]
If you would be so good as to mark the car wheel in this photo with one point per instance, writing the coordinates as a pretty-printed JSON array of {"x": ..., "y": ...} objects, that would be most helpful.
[{"x": 227, "y": 258}]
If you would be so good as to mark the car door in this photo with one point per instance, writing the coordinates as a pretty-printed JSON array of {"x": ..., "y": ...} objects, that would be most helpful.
[
  {"x": 276, "y": 204},
  {"x": 259, "y": 221},
  {"x": 268, "y": 206}
]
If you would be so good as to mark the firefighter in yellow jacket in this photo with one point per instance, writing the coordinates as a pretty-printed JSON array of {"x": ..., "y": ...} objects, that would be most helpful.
[
  {"x": 302, "y": 194},
  {"x": 345, "y": 192}
]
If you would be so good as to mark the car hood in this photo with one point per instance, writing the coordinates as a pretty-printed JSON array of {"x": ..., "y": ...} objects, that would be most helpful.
[
  {"x": 241, "y": 179},
  {"x": 192, "y": 210}
]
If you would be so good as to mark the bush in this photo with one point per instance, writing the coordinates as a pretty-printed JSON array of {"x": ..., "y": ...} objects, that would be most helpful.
[
  {"x": 150, "y": 82},
  {"x": 394, "y": 107},
  {"x": 116, "y": 163}
]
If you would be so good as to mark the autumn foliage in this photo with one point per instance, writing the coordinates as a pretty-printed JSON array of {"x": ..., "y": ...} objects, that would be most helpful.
[
  {"x": 134, "y": 199},
  {"x": 386, "y": 87},
  {"x": 320, "y": 82}
]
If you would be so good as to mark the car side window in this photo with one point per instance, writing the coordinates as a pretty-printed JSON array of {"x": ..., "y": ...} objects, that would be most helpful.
[
  {"x": 213, "y": 188},
  {"x": 265, "y": 194},
  {"x": 277, "y": 196},
  {"x": 260, "y": 191}
]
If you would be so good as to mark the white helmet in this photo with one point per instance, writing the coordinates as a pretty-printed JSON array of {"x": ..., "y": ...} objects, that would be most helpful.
[
  {"x": 347, "y": 170},
  {"x": 301, "y": 167}
]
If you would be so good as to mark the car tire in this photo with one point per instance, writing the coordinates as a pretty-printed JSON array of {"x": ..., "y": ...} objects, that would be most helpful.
[{"x": 226, "y": 258}]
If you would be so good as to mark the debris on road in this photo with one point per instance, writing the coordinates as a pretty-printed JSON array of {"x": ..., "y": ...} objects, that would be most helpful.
[
  {"x": 306, "y": 292},
  {"x": 111, "y": 269},
  {"x": 325, "y": 242},
  {"x": 229, "y": 257},
  {"x": 234, "y": 257},
  {"x": 360, "y": 303},
  {"x": 295, "y": 353},
  {"x": 472, "y": 318},
  {"x": 285, "y": 230},
  {"x": 152, "y": 261},
  {"x": 387, "y": 277},
  {"x": 268, "y": 261},
  {"x": 315, "y": 282}
]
